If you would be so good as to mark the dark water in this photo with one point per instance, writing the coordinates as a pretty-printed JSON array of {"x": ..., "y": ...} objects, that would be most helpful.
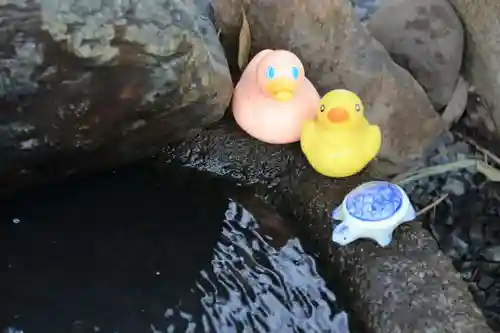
[{"x": 141, "y": 252}]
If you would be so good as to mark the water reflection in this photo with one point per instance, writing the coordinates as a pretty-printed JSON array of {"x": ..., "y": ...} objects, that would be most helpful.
[
  {"x": 255, "y": 286},
  {"x": 107, "y": 258}
]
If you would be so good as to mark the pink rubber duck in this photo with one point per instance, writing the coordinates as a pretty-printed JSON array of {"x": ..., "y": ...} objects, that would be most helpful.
[{"x": 273, "y": 98}]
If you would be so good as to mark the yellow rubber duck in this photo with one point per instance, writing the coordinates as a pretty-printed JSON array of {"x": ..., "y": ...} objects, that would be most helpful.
[{"x": 340, "y": 142}]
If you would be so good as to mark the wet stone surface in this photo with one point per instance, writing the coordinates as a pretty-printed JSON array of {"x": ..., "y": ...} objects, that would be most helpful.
[
  {"x": 86, "y": 85},
  {"x": 466, "y": 223}
]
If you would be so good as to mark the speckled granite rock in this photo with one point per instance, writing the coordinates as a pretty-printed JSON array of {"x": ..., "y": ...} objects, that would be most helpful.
[
  {"x": 425, "y": 37},
  {"x": 338, "y": 52},
  {"x": 482, "y": 51},
  {"x": 409, "y": 287},
  {"x": 77, "y": 77}
]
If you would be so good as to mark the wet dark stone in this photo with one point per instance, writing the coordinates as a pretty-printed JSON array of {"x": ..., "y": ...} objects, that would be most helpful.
[
  {"x": 455, "y": 247},
  {"x": 492, "y": 230},
  {"x": 491, "y": 253},
  {"x": 491, "y": 300},
  {"x": 454, "y": 186},
  {"x": 90, "y": 84},
  {"x": 439, "y": 159},
  {"x": 141, "y": 251},
  {"x": 492, "y": 316},
  {"x": 465, "y": 265},
  {"x": 437, "y": 231},
  {"x": 476, "y": 234},
  {"x": 479, "y": 296},
  {"x": 492, "y": 268},
  {"x": 485, "y": 281}
]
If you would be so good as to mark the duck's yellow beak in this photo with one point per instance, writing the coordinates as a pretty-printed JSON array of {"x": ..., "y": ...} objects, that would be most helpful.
[
  {"x": 338, "y": 115},
  {"x": 281, "y": 88}
]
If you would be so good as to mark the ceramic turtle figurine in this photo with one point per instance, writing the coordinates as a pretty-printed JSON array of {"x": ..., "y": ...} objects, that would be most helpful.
[{"x": 372, "y": 210}]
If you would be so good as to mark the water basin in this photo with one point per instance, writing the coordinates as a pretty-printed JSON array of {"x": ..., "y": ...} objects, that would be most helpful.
[{"x": 136, "y": 251}]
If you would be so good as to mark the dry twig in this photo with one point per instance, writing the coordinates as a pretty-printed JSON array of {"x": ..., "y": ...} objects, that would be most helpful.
[
  {"x": 432, "y": 204},
  {"x": 479, "y": 148}
]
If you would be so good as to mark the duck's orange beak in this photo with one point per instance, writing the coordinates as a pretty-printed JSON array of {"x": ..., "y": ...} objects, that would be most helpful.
[
  {"x": 281, "y": 88},
  {"x": 337, "y": 115}
]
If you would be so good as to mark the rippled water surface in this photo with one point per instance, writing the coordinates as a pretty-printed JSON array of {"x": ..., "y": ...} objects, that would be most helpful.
[{"x": 139, "y": 252}]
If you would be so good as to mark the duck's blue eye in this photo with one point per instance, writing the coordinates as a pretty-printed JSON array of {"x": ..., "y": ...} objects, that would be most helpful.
[
  {"x": 295, "y": 73},
  {"x": 270, "y": 72}
]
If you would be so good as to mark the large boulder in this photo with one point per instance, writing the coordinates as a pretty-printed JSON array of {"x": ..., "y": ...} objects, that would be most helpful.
[
  {"x": 425, "y": 37},
  {"x": 482, "y": 53},
  {"x": 89, "y": 84},
  {"x": 337, "y": 51},
  {"x": 408, "y": 287}
]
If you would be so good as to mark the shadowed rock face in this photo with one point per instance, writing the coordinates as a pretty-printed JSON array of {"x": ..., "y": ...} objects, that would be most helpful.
[
  {"x": 338, "y": 52},
  {"x": 81, "y": 77},
  {"x": 408, "y": 287}
]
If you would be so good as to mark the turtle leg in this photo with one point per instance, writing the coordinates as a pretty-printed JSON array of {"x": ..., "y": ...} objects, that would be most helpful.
[
  {"x": 410, "y": 214},
  {"x": 337, "y": 213},
  {"x": 383, "y": 238}
]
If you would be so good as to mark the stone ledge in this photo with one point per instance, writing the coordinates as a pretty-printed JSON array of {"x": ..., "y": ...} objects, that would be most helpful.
[{"x": 410, "y": 286}]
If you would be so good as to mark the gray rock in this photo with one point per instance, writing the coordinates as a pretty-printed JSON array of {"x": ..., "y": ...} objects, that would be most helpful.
[
  {"x": 439, "y": 159},
  {"x": 89, "y": 84},
  {"x": 454, "y": 246},
  {"x": 491, "y": 300},
  {"x": 491, "y": 253},
  {"x": 485, "y": 281},
  {"x": 338, "y": 52},
  {"x": 482, "y": 53},
  {"x": 476, "y": 233},
  {"x": 432, "y": 186},
  {"x": 427, "y": 38},
  {"x": 461, "y": 147},
  {"x": 469, "y": 177},
  {"x": 454, "y": 186},
  {"x": 408, "y": 287}
]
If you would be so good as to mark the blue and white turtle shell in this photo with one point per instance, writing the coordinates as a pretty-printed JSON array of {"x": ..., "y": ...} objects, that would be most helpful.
[{"x": 375, "y": 202}]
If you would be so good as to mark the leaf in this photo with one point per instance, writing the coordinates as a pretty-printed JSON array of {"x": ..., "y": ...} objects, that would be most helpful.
[
  {"x": 244, "y": 42},
  {"x": 488, "y": 171},
  {"x": 456, "y": 107},
  {"x": 432, "y": 171}
]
